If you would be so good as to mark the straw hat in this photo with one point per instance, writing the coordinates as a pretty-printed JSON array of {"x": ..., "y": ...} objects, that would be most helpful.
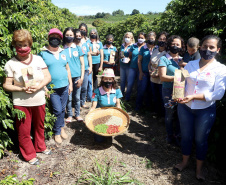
[{"x": 108, "y": 72}]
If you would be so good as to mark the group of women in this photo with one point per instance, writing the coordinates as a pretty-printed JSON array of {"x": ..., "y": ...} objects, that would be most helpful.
[{"x": 72, "y": 74}]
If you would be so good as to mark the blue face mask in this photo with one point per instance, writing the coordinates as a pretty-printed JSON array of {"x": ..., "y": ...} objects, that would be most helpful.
[
  {"x": 69, "y": 39},
  {"x": 207, "y": 54}
]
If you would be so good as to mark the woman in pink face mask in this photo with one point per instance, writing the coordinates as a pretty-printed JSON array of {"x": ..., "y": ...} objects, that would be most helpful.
[{"x": 26, "y": 77}]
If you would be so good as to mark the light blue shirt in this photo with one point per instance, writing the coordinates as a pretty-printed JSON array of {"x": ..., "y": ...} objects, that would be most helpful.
[
  {"x": 107, "y": 52},
  {"x": 126, "y": 54},
  {"x": 96, "y": 59}
]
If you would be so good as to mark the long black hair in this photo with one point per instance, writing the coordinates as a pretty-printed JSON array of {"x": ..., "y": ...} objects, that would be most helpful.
[
  {"x": 83, "y": 25},
  {"x": 170, "y": 40},
  {"x": 64, "y": 33}
]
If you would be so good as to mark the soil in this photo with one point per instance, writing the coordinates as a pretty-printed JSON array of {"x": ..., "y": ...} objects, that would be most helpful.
[{"x": 142, "y": 150}]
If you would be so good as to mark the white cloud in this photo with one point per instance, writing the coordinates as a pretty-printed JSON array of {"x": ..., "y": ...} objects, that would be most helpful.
[{"x": 88, "y": 10}]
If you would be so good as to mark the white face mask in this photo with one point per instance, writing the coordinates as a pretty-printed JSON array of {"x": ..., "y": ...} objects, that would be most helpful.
[
  {"x": 141, "y": 40},
  {"x": 127, "y": 40}
]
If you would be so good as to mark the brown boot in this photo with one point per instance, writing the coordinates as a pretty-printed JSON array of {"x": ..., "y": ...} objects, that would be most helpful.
[
  {"x": 58, "y": 139},
  {"x": 63, "y": 134}
]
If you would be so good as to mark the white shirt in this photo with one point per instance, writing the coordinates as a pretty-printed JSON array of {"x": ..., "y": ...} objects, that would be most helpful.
[
  {"x": 210, "y": 82},
  {"x": 13, "y": 70}
]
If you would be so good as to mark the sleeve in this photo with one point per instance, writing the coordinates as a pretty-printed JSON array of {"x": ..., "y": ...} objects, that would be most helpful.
[
  {"x": 118, "y": 94},
  {"x": 162, "y": 62},
  {"x": 95, "y": 95},
  {"x": 219, "y": 88},
  {"x": 8, "y": 70},
  {"x": 80, "y": 51},
  {"x": 41, "y": 62},
  {"x": 101, "y": 45},
  {"x": 115, "y": 49}
]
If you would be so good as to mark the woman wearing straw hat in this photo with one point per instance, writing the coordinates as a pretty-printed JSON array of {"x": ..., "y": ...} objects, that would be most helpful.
[{"x": 106, "y": 95}]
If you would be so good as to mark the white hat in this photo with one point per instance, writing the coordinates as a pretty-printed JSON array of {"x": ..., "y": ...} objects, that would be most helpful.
[{"x": 108, "y": 72}]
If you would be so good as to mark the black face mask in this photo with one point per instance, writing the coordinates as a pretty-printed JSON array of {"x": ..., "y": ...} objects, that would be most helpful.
[
  {"x": 161, "y": 43},
  {"x": 83, "y": 33},
  {"x": 78, "y": 39},
  {"x": 151, "y": 42},
  {"x": 207, "y": 54},
  {"x": 174, "y": 49},
  {"x": 109, "y": 42},
  {"x": 69, "y": 39},
  {"x": 107, "y": 84},
  {"x": 93, "y": 36},
  {"x": 54, "y": 42}
]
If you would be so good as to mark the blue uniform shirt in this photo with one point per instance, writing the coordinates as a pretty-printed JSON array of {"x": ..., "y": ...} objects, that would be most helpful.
[
  {"x": 107, "y": 52},
  {"x": 85, "y": 50},
  {"x": 126, "y": 54},
  {"x": 73, "y": 54},
  {"x": 168, "y": 62},
  {"x": 146, "y": 57},
  {"x": 106, "y": 100},
  {"x": 96, "y": 59},
  {"x": 57, "y": 67},
  {"x": 135, "y": 51}
]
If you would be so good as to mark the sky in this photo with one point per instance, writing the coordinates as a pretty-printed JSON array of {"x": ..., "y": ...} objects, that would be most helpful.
[{"x": 91, "y": 7}]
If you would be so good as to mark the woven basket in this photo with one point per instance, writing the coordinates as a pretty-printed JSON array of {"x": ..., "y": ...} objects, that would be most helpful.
[{"x": 105, "y": 111}]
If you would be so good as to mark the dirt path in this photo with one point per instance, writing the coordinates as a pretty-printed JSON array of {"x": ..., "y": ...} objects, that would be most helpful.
[{"x": 142, "y": 151}]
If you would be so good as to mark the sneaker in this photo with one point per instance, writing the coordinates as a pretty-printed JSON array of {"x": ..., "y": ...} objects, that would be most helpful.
[
  {"x": 35, "y": 162},
  {"x": 63, "y": 134}
]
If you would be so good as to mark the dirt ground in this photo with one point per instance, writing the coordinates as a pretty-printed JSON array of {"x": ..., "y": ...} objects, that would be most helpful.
[{"x": 142, "y": 150}]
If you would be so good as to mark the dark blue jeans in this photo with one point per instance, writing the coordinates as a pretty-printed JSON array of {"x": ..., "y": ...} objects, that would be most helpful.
[
  {"x": 143, "y": 90},
  {"x": 156, "y": 90},
  {"x": 171, "y": 118},
  {"x": 196, "y": 123},
  {"x": 75, "y": 95},
  {"x": 84, "y": 88},
  {"x": 90, "y": 88},
  {"x": 124, "y": 71},
  {"x": 58, "y": 101},
  {"x": 132, "y": 76}
]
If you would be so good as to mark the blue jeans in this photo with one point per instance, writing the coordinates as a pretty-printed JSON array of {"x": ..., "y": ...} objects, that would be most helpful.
[
  {"x": 156, "y": 90},
  {"x": 196, "y": 123},
  {"x": 132, "y": 76},
  {"x": 170, "y": 117},
  {"x": 58, "y": 101},
  {"x": 84, "y": 88},
  {"x": 76, "y": 97},
  {"x": 142, "y": 88},
  {"x": 90, "y": 88},
  {"x": 124, "y": 71}
]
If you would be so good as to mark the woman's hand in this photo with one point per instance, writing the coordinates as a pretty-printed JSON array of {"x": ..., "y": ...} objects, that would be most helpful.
[
  {"x": 100, "y": 69},
  {"x": 70, "y": 89},
  {"x": 185, "y": 99},
  {"x": 79, "y": 83},
  {"x": 32, "y": 89},
  {"x": 90, "y": 70},
  {"x": 141, "y": 75},
  {"x": 47, "y": 93}
]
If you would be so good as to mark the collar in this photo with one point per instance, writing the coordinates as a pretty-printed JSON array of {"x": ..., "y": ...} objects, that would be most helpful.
[
  {"x": 73, "y": 45},
  {"x": 169, "y": 57},
  {"x": 96, "y": 41},
  {"x": 135, "y": 44},
  {"x": 46, "y": 49},
  {"x": 105, "y": 46},
  {"x": 102, "y": 91}
]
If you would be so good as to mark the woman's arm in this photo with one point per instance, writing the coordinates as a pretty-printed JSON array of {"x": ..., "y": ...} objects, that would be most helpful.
[
  {"x": 118, "y": 105},
  {"x": 90, "y": 62},
  {"x": 140, "y": 57},
  {"x": 94, "y": 105},
  {"x": 69, "y": 79},
  {"x": 8, "y": 86},
  {"x": 163, "y": 76},
  {"x": 79, "y": 82},
  {"x": 101, "y": 60}
]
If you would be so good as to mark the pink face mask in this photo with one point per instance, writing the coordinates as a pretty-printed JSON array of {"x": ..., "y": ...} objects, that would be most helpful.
[{"x": 23, "y": 51}]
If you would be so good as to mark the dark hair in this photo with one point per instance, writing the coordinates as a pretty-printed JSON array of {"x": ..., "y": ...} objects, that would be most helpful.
[
  {"x": 193, "y": 42},
  {"x": 142, "y": 33},
  {"x": 219, "y": 42},
  {"x": 109, "y": 36},
  {"x": 76, "y": 31},
  {"x": 163, "y": 33},
  {"x": 170, "y": 40},
  {"x": 83, "y": 25},
  {"x": 115, "y": 85},
  {"x": 64, "y": 33}
]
